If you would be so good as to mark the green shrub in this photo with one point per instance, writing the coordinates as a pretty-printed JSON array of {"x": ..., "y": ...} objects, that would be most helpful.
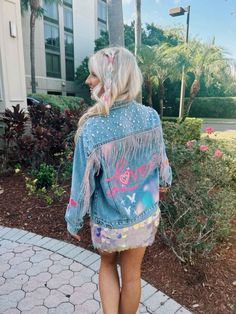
[
  {"x": 214, "y": 107},
  {"x": 43, "y": 183},
  {"x": 62, "y": 102},
  {"x": 45, "y": 176},
  {"x": 180, "y": 133},
  {"x": 198, "y": 209}
]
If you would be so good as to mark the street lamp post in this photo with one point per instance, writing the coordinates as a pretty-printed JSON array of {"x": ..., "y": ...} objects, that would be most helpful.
[{"x": 176, "y": 12}]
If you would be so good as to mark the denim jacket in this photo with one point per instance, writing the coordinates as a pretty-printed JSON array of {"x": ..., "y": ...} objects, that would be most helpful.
[{"x": 119, "y": 163}]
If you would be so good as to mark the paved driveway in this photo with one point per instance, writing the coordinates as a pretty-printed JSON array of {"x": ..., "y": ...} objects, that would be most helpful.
[{"x": 220, "y": 125}]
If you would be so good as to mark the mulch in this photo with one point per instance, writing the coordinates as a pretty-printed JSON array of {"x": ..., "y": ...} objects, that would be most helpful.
[{"x": 208, "y": 286}]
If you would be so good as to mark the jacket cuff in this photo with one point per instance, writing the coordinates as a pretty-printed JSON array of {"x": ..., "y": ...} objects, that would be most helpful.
[{"x": 74, "y": 230}]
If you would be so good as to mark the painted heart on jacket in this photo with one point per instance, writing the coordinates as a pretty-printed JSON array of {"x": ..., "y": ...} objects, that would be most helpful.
[
  {"x": 124, "y": 177},
  {"x": 73, "y": 202}
]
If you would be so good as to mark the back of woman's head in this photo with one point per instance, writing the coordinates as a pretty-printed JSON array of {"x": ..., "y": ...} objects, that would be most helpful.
[
  {"x": 120, "y": 79},
  {"x": 118, "y": 73}
]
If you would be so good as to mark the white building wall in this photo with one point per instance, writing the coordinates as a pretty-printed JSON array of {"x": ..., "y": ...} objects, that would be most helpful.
[
  {"x": 12, "y": 72},
  {"x": 85, "y": 33},
  {"x": 85, "y": 28}
]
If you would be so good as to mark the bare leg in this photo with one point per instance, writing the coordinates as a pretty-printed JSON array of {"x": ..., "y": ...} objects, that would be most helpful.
[
  {"x": 109, "y": 285},
  {"x": 130, "y": 262}
]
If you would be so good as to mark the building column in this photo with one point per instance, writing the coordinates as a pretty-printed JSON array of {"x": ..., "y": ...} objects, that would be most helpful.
[{"x": 12, "y": 70}]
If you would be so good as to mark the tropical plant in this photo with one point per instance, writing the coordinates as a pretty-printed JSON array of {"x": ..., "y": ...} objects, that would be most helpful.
[
  {"x": 36, "y": 11},
  {"x": 157, "y": 64},
  {"x": 115, "y": 23},
  {"x": 203, "y": 60}
]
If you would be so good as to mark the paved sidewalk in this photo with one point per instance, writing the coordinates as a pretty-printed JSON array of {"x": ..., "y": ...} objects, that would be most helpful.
[{"x": 43, "y": 275}]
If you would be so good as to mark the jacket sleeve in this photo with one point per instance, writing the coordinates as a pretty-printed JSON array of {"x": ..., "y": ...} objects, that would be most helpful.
[
  {"x": 165, "y": 171},
  {"x": 75, "y": 209}
]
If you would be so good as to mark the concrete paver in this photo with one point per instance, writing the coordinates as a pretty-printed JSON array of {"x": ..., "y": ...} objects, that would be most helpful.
[{"x": 42, "y": 275}]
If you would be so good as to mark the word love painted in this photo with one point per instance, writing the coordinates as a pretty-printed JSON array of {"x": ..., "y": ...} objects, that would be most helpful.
[{"x": 124, "y": 175}]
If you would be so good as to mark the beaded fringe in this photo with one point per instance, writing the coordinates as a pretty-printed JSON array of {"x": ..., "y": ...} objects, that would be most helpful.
[{"x": 129, "y": 147}]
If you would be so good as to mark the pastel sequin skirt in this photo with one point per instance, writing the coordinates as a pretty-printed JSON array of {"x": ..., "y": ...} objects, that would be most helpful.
[{"x": 116, "y": 240}]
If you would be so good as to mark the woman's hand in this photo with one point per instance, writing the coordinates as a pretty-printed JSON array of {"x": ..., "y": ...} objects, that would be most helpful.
[{"x": 75, "y": 236}]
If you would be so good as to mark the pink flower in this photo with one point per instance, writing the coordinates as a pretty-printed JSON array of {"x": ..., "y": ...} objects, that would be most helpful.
[
  {"x": 203, "y": 148},
  {"x": 218, "y": 153},
  {"x": 209, "y": 130},
  {"x": 189, "y": 144}
]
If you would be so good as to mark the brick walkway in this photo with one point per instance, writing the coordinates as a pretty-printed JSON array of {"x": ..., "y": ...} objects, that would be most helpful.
[{"x": 42, "y": 275}]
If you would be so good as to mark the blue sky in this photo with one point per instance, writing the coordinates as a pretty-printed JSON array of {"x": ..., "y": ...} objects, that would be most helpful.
[{"x": 208, "y": 19}]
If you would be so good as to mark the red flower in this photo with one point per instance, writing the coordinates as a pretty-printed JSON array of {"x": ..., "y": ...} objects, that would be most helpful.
[
  {"x": 203, "y": 148},
  {"x": 218, "y": 153},
  {"x": 69, "y": 157},
  {"x": 67, "y": 111},
  {"x": 234, "y": 222},
  {"x": 209, "y": 130}
]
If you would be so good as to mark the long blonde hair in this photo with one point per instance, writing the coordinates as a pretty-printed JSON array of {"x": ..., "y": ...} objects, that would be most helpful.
[{"x": 119, "y": 76}]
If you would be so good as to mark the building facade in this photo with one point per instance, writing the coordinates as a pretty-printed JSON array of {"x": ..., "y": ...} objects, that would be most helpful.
[
  {"x": 12, "y": 69},
  {"x": 63, "y": 38}
]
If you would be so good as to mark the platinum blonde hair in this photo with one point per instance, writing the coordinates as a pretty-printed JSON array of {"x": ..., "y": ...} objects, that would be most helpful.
[{"x": 120, "y": 79}]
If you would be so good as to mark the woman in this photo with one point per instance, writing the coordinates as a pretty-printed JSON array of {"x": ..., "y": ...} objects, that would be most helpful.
[{"x": 119, "y": 163}]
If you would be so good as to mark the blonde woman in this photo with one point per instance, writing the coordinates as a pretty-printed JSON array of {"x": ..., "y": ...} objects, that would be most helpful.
[{"x": 119, "y": 164}]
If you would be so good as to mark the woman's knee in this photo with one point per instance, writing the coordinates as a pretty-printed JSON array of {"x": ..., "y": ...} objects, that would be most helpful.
[{"x": 108, "y": 259}]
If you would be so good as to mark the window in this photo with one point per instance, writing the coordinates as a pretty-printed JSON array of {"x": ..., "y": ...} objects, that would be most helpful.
[
  {"x": 70, "y": 72},
  {"x": 51, "y": 36},
  {"x": 69, "y": 45},
  {"x": 102, "y": 11},
  {"x": 51, "y": 11},
  {"x": 53, "y": 65},
  {"x": 68, "y": 19},
  {"x": 53, "y": 93},
  {"x": 101, "y": 27},
  {"x": 68, "y": 2}
]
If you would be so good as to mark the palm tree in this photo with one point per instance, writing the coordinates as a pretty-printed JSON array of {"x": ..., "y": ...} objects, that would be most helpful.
[
  {"x": 203, "y": 59},
  {"x": 115, "y": 23},
  {"x": 36, "y": 11},
  {"x": 158, "y": 63},
  {"x": 146, "y": 57}
]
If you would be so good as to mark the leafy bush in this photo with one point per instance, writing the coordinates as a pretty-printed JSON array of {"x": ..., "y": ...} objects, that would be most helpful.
[
  {"x": 50, "y": 135},
  {"x": 180, "y": 133},
  {"x": 214, "y": 107},
  {"x": 45, "y": 176},
  {"x": 43, "y": 183},
  {"x": 62, "y": 102},
  {"x": 15, "y": 125},
  {"x": 199, "y": 207}
]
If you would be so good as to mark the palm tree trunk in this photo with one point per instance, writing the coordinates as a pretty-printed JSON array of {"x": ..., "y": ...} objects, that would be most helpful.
[
  {"x": 32, "y": 50},
  {"x": 193, "y": 92},
  {"x": 137, "y": 26},
  {"x": 138, "y": 44},
  {"x": 149, "y": 92},
  {"x": 161, "y": 96},
  {"x": 115, "y": 23}
]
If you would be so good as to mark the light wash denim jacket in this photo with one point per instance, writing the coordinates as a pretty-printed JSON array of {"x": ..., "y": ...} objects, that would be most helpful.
[{"x": 119, "y": 162}]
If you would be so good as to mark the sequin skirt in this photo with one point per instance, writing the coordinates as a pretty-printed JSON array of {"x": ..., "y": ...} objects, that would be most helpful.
[{"x": 116, "y": 240}]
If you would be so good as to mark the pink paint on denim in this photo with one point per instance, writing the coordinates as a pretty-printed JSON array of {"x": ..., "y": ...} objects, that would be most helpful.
[
  {"x": 72, "y": 202},
  {"x": 123, "y": 175}
]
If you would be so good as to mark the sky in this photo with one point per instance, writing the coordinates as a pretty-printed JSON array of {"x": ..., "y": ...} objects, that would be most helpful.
[{"x": 208, "y": 19}]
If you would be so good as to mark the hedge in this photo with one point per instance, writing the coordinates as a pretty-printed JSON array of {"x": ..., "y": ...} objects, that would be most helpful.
[
  {"x": 213, "y": 107},
  {"x": 61, "y": 102}
]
